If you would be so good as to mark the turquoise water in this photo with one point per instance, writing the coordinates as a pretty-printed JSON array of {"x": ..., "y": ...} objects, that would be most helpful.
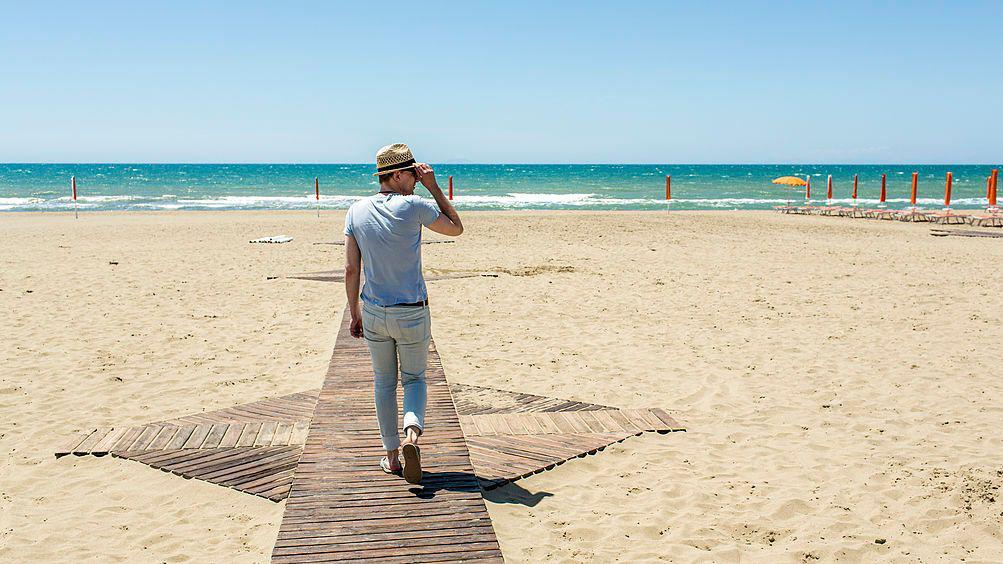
[{"x": 46, "y": 187}]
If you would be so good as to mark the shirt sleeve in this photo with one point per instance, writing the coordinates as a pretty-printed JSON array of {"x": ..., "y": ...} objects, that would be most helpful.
[
  {"x": 425, "y": 210},
  {"x": 348, "y": 223}
]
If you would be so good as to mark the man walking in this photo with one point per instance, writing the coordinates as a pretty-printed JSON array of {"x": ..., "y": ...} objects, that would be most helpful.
[{"x": 383, "y": 233}]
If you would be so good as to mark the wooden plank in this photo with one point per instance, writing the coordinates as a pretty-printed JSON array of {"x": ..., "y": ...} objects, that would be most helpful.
[
  {"x": 158, "y": 440},
  {"x": 588, "y": 419},
  {"x": 215, "y": 435},
  {"x": 233, "y": 432},
  {"x": 103, "y": 446},
  {"x": 282, "y": 434},
  {"x": 606, "y": 420},
  {"x": 641, "y": 419},
  {"x": 128, "y": 438},
  {"x": 669, "y": 421},
  {"x": 299, "y": 433},
  {"x": 622, "y": 420},
  {"x": 181, "y": 437},
  {"x": 266, "y": 433},
  {"x": 198, "y": 436},
  {"x": 248, "y": 436},
  {"x": 73, "y": 443},
  {"x": 85, "y": 446}
]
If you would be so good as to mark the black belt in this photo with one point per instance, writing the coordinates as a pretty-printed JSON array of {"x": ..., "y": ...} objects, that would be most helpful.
[{"x": 413, "y": 304}]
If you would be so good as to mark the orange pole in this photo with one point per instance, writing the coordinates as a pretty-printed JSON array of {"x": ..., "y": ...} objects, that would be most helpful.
[
  {"x": 855, "y": 186},
  {"x": 668, "y": 187},
  {"x": 989, "y": 185},
  {"x": 947, "y": 191},
  {"x": 828, "y": 190},
  {"x": 73, "y": 185},
  {"x": 807, "y": 188},
  {"x": 912, "y": 195},
  {"x": 995, "y": 184},
  {"x": 450, "y": 187},
  {"x": 316, "y": 187},
  {"x": 883, "y": 191}
]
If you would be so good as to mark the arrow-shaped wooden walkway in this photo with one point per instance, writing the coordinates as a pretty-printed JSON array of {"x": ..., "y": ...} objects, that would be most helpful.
[{"x": 341, "y": 507}]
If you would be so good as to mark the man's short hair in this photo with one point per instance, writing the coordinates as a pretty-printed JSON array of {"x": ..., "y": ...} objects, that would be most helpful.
[{"x": 386, "y": 177}]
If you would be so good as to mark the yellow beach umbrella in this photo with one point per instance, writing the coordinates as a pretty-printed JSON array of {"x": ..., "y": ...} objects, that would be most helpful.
[
  {"x": 792, "y": 181},
  {"x": 789, "y": 181}
]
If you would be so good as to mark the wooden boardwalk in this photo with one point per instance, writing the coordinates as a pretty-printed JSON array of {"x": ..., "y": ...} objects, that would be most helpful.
[
  {"x": 342, "y": 508},
  {"x": 326, "y": 441}
]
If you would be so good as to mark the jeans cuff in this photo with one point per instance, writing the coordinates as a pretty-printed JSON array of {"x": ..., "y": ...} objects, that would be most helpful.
[
  {"x": 412, "y": 420},
  {"x": 391, "y": 443}
]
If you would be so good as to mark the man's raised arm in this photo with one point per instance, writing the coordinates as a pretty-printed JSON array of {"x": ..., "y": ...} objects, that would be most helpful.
[{"x": 448, "y": 222}]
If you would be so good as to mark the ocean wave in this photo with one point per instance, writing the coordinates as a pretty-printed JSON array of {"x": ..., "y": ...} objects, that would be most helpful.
[{"x": 512, "y": 200}]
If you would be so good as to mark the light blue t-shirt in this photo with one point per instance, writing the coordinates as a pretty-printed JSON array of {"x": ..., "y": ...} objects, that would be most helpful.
[{"x": 387, "y": 228}]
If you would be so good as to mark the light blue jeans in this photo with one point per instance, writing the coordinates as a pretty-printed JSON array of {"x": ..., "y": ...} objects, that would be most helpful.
[{"x": 398, "y": 337}]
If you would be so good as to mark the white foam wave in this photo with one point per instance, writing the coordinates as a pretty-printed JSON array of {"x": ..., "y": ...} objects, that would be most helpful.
[
  {"x": 269, "y": 202},
  {"x": 514, "y": 200}
]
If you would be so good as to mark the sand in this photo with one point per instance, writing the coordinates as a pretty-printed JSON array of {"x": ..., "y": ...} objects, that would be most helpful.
[{"x": 840, "y": 378}]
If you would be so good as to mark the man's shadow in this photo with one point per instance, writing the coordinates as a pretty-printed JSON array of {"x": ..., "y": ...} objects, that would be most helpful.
[{"x": 432, "y": 482}]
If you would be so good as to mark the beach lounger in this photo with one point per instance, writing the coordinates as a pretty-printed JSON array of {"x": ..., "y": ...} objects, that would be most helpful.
[
  {"x": 913, "y": 215},
  {"x": 992, "y": 218},
  {"x": 948, "y": 217},
  {"x": 854, "y": 212},
  {"x": 828, "y": 210},
  {"x": 879, "y": 213}
]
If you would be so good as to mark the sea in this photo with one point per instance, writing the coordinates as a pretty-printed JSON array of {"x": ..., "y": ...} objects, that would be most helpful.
[{"x": 144, "y": 187}]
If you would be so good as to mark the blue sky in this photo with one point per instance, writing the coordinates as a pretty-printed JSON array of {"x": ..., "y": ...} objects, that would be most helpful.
[{"x": 528, "y": 82}]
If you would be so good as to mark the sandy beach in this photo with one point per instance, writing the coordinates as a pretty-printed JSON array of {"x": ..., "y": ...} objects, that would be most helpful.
[{"x": 839, "y": 378}]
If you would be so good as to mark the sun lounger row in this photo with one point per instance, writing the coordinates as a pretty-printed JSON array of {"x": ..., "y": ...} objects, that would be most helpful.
[{"x": 987, "y": 218}]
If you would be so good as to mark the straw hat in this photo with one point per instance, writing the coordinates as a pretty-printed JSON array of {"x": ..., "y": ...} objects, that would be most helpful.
[{"x": 393, "y": 158}]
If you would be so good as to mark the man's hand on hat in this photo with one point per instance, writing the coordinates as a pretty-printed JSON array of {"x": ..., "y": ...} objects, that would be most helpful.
[{"x": 425, "y": 175}]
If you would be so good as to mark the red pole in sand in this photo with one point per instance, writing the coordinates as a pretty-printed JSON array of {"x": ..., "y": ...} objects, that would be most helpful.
[
  {"x": 883, "y": 191},
  {"x": 992, "y": 190},
  {"x": 73, "y": 186},
  {"x": 807, "y": 189},
  {"x": 912, "y": 195},
  {"x": 947, "y": 191},
  {"x": 668, "y": 187},
  {"x": 855, "y": 188},
  {"x": 450, "y": 187},
  {"x": 828, "y": 190},
  {"x": 316, "y": 187}
]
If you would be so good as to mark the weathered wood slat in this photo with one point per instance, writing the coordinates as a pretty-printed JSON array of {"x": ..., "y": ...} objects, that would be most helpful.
[
  {"x": 128, "y": 438},
  {"x": 92, "y": 439},
  {"x": 181, "y": 437},
  {"x": 215, "y": 435},
  {"x": 103, "y": 446},
  {"x": 160, "y": 437},
  {"x": 198, "y": 436},
  {"x": 77, "y": 440}
]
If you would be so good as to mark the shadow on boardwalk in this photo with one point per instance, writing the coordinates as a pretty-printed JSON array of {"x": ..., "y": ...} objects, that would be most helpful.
[{"x": 433, "y": 482}]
